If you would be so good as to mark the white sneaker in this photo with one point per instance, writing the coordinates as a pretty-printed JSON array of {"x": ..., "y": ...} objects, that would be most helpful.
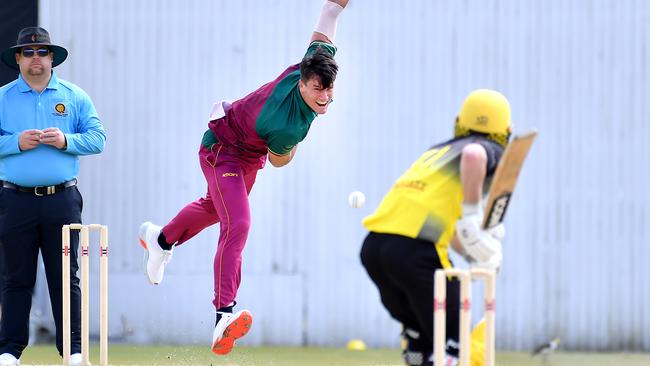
[
  {"x": 230, "y": 328},
  {"x": 7, "y": 359},
  {"x": 449, "y": 360},
  {"x": 155, "y": 258},
  {"x": 75, "y": 359}
]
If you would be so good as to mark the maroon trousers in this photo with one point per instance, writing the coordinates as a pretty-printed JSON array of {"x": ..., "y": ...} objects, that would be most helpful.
[{"x": 229, "y": 182}]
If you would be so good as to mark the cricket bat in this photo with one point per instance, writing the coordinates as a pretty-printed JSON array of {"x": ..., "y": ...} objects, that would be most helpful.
[{"x": 505, "y": 178}]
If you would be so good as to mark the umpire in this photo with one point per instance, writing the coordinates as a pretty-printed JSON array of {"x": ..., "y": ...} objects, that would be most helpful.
[{"x": 45, "y": 125}]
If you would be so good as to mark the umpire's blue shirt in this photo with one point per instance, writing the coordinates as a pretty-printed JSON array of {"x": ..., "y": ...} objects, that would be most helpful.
[{"x": 61, "y": 104}]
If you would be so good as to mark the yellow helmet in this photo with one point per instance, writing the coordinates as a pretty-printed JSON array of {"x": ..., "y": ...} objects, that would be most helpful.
[{"x": 485, "y": 111}]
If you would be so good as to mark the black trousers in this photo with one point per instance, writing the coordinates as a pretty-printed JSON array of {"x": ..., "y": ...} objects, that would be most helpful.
[
  {"x": 29, "y": 223},
  {"x": 403, "y": 268}
]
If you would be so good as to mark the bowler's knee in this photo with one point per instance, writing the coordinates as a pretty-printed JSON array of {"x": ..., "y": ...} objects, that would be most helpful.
[{"x": 239, "y": 225}]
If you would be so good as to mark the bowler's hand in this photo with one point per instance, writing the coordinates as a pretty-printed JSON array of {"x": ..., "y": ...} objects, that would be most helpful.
[
  {"x": 54, "y": 137},
  {"x": 29, "y": 139}
]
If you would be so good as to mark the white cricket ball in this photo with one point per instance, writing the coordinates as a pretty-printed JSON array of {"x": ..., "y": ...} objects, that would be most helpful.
[{"x": 356, "y": 199}]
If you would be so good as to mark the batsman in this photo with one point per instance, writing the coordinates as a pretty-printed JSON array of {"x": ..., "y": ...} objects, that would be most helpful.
[{"x": 434, "y": 205}]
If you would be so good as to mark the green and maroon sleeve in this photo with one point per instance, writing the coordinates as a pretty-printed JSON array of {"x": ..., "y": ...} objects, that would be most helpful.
[
  {"x": 326, "y": 46},
  {"x": 281, "y": 144}
]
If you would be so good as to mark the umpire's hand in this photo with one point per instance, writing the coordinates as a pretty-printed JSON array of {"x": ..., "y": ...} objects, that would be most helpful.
[
  {"x": 54, "y": 137},
  {"x": 29, "y": 139}
]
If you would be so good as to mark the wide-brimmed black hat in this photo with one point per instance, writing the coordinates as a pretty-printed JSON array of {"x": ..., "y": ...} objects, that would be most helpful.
[{"x": 33, "y": 36}]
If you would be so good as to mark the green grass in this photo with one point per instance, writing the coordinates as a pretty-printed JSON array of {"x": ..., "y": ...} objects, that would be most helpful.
[
  {"x": 196, "y": 355},
  {"x": 287, "y": 356}
]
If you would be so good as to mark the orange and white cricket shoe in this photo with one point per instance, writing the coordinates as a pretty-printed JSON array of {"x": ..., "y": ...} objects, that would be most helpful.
[
  {"x": 230, "y": 328},
  {"x": 155, "y": 258}
]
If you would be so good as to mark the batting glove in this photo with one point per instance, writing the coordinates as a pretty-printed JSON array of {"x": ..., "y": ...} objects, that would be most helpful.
[
  {"x": 498, "y": 232},
  {"x": 479, "y": 245}
]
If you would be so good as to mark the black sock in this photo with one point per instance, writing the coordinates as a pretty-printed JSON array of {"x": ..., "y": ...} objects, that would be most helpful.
[
  {"x": 162, "y": 241},
  {"x": 225, "y": 309}
]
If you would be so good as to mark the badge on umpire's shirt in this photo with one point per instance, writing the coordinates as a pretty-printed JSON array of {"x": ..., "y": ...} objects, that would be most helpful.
[{"x": 60, "y": 110}]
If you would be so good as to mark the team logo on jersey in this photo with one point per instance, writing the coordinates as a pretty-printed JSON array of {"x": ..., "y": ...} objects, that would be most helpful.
[
  {"x": 230, "y": 175},
  {"x": 60, "y": 109}
]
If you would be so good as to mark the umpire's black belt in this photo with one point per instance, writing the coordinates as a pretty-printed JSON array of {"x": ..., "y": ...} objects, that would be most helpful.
[{"x": 41, "y": 190}]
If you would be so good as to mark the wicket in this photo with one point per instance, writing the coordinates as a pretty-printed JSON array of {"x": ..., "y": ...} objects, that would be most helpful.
[
  {"x": 440, "y": 311},
  {"x": 103, "y": 292}
]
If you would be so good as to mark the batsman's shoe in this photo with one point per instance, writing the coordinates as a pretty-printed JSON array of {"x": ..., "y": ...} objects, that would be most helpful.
[
  {"x": 413, "y": 358},
  {"x": 453, "y": 361},
  {"x": 230, "y": 328},
  {"x": 75, "y": 359},
  {"x": 414, "y": 350},
  {"x": 449, "y": 361},
  {"x": 7, "y": 359},
  {"x": 155, "y": 258}
]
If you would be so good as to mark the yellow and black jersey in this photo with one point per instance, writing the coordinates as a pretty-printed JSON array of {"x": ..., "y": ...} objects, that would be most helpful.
[{"x": 425, "y": 202}]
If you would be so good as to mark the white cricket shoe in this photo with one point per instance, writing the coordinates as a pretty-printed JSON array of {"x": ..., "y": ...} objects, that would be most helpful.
[
  {"x": 155, "y": 257},
  {"x": 7, "y": 359},
  {"x": 230, "y": 328},
  {"x": 449, "y": 361},
  {"x": 75, "y": 359}
]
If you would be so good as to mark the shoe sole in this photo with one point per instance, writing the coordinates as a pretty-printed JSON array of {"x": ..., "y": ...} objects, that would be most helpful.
[{"x": 234, "y": 331}]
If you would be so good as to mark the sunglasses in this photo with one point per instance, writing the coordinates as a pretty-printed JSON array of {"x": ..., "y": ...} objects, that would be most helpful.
[{"x": 29, "y": 52}]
